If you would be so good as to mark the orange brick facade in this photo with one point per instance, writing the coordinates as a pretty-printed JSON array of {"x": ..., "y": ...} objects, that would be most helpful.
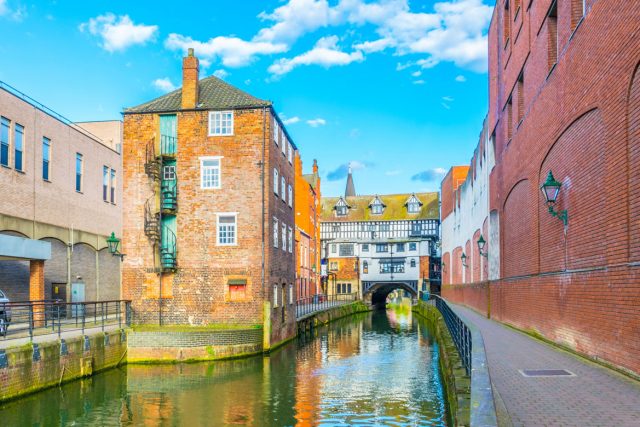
[
  {"x": 565, "y": 96},
  {"x": 203, "y": 289}
]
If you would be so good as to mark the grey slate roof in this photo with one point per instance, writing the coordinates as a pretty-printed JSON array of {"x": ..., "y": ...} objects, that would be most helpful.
[{"x": 214, "y": 94}]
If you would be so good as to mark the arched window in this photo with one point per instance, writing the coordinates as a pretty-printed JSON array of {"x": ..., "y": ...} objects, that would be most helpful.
[{"x": 365, "y": 267}]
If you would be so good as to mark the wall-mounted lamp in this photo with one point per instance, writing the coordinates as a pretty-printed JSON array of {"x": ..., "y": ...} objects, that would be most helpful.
[
  {"x": 481, "y": 244},
  {"x": 463, "y": 257},
  {"x": 113, "y": 243},
  {"x": 550, "y": 189}
]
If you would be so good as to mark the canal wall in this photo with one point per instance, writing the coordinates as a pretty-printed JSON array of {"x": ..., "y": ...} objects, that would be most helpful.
[
  {"x": 33, "y": 367},
  {"x": 314, "y": 320},
  {"x": 457, "y": 385},
  {"x": 190, "y": 344}
]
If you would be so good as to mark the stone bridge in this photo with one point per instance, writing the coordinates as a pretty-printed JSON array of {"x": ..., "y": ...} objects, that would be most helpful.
[{"x": 375, "y": 293}]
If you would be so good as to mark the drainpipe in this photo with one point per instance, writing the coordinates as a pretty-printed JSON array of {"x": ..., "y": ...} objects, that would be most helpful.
[{"x": 262, "y": 179}]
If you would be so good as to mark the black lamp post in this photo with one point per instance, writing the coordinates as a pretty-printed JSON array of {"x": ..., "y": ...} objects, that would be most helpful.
[
  {"x": 463, "y": 257},
  {"x": 481, "y": 244},
  {"x": 113, "y": 242},
  {"x": 550, "y": 189}
]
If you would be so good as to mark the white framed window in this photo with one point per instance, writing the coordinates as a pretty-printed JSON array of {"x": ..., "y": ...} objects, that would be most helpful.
[
  {"x": 290, "y": 152},
  {"x": 284, "y": 237},
  {"x": 290, "y": 195},
  {"x": 227, "y": 234},
  {"x": 283, "y": 188},
  {"x": 284, "y": 145},
  {"x": 275, "y": 232},
  {"x": 276, "y": 180},
  {"x": 276, "y": 131},
  {"x": 275, "y": 296},
  {"x": 209, "y": 173},
  {"x": 220, "y": 123},
  {"x": 290, "y": 235},
  {"x": 290, "y": 294}
]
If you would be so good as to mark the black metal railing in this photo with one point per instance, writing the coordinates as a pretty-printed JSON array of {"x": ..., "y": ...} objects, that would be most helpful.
[
  {"x": 458, "y": 329},
  {"x": 32, "y": 318},
  {"x": 151, "y": 221},
  {"x": 151, "y": 164},
  {"x": 321, "y": 302},
  {"x": 168, "y": 249}
]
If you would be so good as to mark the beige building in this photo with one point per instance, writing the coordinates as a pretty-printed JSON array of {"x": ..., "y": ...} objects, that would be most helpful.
[{"x": 61, "y": 188}]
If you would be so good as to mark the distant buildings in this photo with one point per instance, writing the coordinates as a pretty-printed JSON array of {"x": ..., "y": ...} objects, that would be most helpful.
[
  {"x": 307, "y": 206},
  {"x": 374, "y": 244},
  {"x": 209, "y": 209},
  {"x": 564, "y": 112},
  {"x": 61, "y": 198}
]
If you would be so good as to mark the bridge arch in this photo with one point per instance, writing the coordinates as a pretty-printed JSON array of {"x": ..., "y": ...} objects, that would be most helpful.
[{"x": 377, "y": 293}]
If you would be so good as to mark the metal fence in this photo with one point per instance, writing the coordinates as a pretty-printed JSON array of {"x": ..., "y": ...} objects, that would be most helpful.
[
  {"x": 32, "y": 318},
  {"x": 457, "y": 328},
  {"x": 321, "y": 302}
]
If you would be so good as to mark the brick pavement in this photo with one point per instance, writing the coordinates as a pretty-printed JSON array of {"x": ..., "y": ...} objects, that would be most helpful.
[{"x": 596, "y": 396}]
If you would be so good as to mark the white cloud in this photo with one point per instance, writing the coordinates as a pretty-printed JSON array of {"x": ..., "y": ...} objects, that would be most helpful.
[
  {"x": 314, "y": 123},
  {"x": 418, "y": 82},
  {"x": 232, "y": 51},
  {"x": 4, "y": 9},
  {"x": 221, "y": 74},
  {"x": 164, "y": 85},
  {"x": 119, "y": 33},
  {"x": 416, "y": 73},
  {"x": 374, "y": 46},
  {"x": 292, "y": 120},
  {"x": 325, "y": 53},
  {"x": 357, "y": 165},
  {"x": 297, "y": 18},
  {"x": 445, "y": 106},
  {"x": 461, "y": 79},
  {"x": 447, "y": 98}
]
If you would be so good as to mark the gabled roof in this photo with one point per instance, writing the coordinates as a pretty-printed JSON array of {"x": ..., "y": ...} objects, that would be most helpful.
[
  {"x": 413, "y": 199},
  {"x": 395, "y": 208},
  {"x": 312, "y": 179},
  {"x": 213, "y": 94},
  {"x": 376, "y": 201}
]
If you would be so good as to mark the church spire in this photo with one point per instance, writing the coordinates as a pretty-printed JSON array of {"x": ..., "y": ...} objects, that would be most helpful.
[{"x": 350, "y": 191}]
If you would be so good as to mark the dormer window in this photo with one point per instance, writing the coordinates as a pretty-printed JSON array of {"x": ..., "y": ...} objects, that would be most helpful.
[
  {"x": 413, "y": 204},
  {"x": 376, "y": 206},
  {"x": 342, "y": 208}
]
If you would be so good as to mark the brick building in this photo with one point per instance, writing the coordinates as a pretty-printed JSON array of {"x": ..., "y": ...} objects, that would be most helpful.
[
  {"x": 61, "y": 198},
  {"x": 307, "y": 205},
  {"x": 372, "y": 245},
  {"x": 564, "y": 93},
  {"x": 209, "y": 208}
]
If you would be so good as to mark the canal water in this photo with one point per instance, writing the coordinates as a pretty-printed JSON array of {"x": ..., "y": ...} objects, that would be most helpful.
[{"x": 379, "y": 368}]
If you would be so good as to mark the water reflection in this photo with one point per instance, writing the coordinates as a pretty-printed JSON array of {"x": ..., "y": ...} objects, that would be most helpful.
[{"x": 374, "y": 369}]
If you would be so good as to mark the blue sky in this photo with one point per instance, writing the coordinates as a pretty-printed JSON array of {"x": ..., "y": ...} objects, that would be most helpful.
[{"x": 395, "y": 88}]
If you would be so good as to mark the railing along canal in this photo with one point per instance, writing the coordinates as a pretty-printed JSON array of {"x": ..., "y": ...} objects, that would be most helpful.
[
  {"x": 458, "y": 329},
  {"x": 321, "y": 302},
  {"x": 33, "y": 318}
]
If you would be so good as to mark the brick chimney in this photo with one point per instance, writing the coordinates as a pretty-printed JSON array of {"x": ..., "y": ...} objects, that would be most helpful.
[
  {"x": 315, "y": 166},
  {"x": 190, "y": 71}
]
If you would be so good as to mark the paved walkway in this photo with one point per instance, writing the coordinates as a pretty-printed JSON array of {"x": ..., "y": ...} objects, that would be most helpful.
[
  {"x": 595, "y": 396},
  {"x": 14, "y": 342}
]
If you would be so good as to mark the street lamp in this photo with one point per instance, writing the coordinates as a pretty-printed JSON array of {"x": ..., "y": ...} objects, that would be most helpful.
[
  {"x": 463, "y": 257},
  {"x": 113, "y": 243},
  {"x": 550, "y": 189},
  {"x": 481, "y": 244}
]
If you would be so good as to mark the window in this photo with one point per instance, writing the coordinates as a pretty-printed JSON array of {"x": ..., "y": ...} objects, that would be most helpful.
[
  {"x": 335, "y": 228},
  {"x": 276, "y": 230},
  {"x": 169, "y": 173},
  {"x": 578, "y": 10},
  {"x": 334, "y": 248},
  {"x": 289, "y": 152},
  {"x": 365, "y": 247},
  {"x": 376, "y": 209},
  {"x": 365, "y": 267},
  {"x": 276, "y": 131},
  {"x": 290, "y": 239},
  {"x": 284, "y": 145},
  {"x": 284, "y": 237},
  {"x": 283, "y": 188},
  {"x": 237, "y": 289},
  {"x": 400, "y": 247},
  {"x": 509, "y": 118},
  {"x": 385, "y": 227},
  {"x": 18, "y": 143},
  {"x": 552, "y": 31},
  {"x": 209, "y": 173},
  {"x": 333, "y": 266},
  {"x": 113, "y": 186},
  {"x": 346, "y": 249},
  {"x": 227, "y": 229},
  {"x": 78, "y": 172},
  {"x": 413, "y": 207},
  {"x": 391, "y": 266},
  {"x": 105, "y": 183},
  {"x": 275, "y": 296},
  {"x": 413, "y": 263},
  {"x": 413, "y": 246},
  {"x": 220, "y": 123},
  {"x": 382, "y": 247},
  {"x": 4, "y": 141},
  {"x": 290, "y": 294},
  {"x": 520, "y": 96},
  {"x": 341, "y": 210},
  {"x": 276, "y": 180},
  {"x": 46, "y": 157},
  {"x": 506, "y": 24},
  {"x": 290, "y": 195}
]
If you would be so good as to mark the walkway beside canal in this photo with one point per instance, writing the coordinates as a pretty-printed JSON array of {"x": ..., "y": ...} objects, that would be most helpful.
[{"x": 595, "y": 396}]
